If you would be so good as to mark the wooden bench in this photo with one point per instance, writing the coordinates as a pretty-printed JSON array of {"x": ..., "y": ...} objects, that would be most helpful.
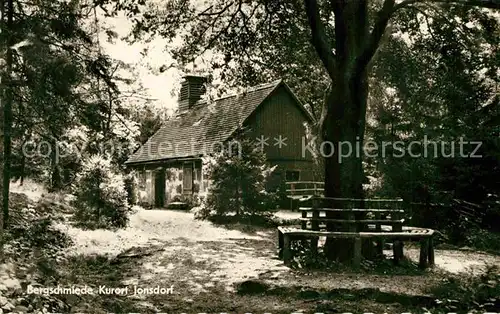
[{"x": 379, "y": 220}]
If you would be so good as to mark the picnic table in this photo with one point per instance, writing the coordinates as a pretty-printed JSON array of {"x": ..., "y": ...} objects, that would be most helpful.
[{"x": 356, "y": 219}]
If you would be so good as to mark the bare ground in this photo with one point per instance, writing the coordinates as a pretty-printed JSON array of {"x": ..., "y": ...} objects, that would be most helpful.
[
  {"x": 205, "y": 265},
  {"x": 213, "y": 270}
]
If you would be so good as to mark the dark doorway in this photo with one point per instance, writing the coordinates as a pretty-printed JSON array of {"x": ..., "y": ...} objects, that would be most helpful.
[{"x": 160, "y": 188}]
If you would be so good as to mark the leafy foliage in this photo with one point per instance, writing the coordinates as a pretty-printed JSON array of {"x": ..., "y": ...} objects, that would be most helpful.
[
  {"x": 439, "y": 71},
  {"x": 472, "y": 294},
  {"x": 70, "y": 99},
  {"x": 436, "y": 90},
  {"x": 484, "y": 240},
  {"x": 101, "y": 197},
  {"x": 238, "y": 181},
  {"x": 130, "y": 182},
  {"x": 32, "y": 228},
  {"x": 242, "y": 43}
]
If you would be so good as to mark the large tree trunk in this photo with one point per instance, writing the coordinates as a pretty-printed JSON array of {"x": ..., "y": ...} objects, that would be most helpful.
[
  {"x": 343, "y": 122},
  {"x": 344, "y": 128},
  {"x": 7, "y": 115}
]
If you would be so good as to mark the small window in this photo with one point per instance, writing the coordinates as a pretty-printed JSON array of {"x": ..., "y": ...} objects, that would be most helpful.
[{"x": 292, "y": 175}]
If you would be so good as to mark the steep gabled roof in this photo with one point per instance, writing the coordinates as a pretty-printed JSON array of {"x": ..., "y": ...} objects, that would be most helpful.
[{"x": 197, "y": 131}]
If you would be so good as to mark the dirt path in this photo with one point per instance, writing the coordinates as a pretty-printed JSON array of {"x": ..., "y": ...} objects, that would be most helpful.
[
  {"x": 148, "y": 227},
  {"x": 206, "y": 264},
  {"x": 198, "y": 255},
  {"x": 197, "y": 267}
]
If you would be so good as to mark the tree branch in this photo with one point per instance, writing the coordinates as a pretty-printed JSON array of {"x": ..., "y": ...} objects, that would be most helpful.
[
  {"x": 319, "y": 38},
  {"x": 219, "y": 33},
  {"x": 208, "y": 11},
  {"x": 492, "y": 4},
  {"x": 389, "y": 8},
  {"x": 451, "y": 22},
  {"x": 375, "y": 36}
]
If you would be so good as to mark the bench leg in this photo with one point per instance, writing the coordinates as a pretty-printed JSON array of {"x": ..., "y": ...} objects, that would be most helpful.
[
  {"x": 356, "y": 259},
  {"x": 314, "y": 246},
  {"x": 280, "y": 245},
  {"x": 397, "y": 249},
  {"x": 431, "y": 252},
  {"x": 380, "y": 247},
  {"x": 287, "y": 252},
  {"x": 424, "y": 250}
]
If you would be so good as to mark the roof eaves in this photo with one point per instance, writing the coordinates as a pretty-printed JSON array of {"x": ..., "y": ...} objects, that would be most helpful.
[
  {"x": 273, "y": 86},
  {"x": 152, "y": 161}
]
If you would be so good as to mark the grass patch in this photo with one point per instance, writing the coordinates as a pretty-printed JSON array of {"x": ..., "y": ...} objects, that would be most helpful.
[
  {"x": 338, "y": 299},
  {"x": 95, "y": 271},
  {"x": 386, "y": 266}
]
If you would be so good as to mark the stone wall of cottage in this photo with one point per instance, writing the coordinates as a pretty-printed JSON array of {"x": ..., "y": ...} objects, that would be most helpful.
[
  {"x": 174, "y": 190},
  {"x": 145, "y": 184}
]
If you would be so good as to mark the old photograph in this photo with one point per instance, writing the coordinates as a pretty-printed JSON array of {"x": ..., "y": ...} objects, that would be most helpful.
[{"x": 250, "y": 156}]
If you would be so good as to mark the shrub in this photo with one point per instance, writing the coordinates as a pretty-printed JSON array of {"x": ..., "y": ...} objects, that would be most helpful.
[
  {"x": 478, "y": 294},
  {"x": 238, "y": 183},
  {"x": 101, "y": 197},
  {"x": 191, "y": 201},
  {"x": 131, "y": 183},
  {"x": 484, "y": 240},
  {"x": 282, "y": 195},
  {"x": 31, "y": 226}
]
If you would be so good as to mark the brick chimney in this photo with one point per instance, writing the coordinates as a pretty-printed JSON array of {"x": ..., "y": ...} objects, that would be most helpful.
[{"x": 192, "y": 88}]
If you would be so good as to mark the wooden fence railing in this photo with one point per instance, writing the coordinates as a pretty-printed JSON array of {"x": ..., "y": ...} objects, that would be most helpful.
[
  {"x": 438, "y": 215},
  {"x": 297, "y": 190}
]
